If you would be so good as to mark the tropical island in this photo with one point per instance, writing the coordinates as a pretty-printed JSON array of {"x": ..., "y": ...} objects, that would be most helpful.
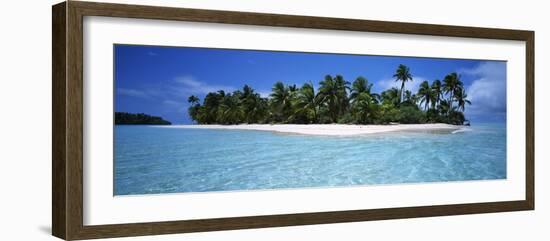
[
  {"x": 337, "y": 101},
  {"x": 124, "y": 118}
]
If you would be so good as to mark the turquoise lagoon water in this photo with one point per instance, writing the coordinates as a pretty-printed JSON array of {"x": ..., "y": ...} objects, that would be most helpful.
[{"x": 152, "y": 160}]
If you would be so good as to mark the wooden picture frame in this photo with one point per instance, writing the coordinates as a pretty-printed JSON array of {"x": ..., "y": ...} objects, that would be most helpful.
[{"x": 67, "y": 124}]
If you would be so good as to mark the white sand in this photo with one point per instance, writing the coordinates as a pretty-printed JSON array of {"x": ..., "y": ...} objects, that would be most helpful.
[{"x": 326, "y": 129}]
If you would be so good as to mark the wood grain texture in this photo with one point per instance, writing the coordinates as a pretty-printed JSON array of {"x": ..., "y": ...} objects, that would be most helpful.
[
  {"x": 67, "y": 154},
  {"x": 138, "y": 229},
  {"x": 530, "y": 120},
  {"x": 74, "y": 121},
  {"x": 58, "y": 121},
  {"x": 279, "y": 20}
]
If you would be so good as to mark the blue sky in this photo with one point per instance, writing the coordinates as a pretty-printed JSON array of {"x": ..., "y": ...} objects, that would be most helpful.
[{"x": 158, "y": 80}]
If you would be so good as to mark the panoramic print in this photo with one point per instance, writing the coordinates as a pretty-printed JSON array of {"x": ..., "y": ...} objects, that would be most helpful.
[{"x": 193, "y": 119}]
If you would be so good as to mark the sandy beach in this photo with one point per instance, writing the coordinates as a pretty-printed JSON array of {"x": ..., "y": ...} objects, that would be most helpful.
[{"x": 326, "y": 129}]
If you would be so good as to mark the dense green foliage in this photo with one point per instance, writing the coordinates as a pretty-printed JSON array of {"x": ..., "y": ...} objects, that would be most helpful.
[
  {"x": 337, "y": 101},
  {"x": 123, "y": 118}
]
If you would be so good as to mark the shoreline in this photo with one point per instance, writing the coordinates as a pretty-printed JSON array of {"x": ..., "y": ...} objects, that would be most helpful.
[{"x": 327, "y": 129}]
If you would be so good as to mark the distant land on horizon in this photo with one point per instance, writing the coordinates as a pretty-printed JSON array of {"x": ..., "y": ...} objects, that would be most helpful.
[{"x": 124, "y": 118}]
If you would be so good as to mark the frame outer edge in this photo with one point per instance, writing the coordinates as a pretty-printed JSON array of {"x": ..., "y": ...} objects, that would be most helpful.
[
  {"x": 67, "y": 123},
  {"x": 59, "y": 174},
  {"x": 530, "y": 120},
  {"x": 74, "y": 120},
  {"x": 293, "y": 21}
]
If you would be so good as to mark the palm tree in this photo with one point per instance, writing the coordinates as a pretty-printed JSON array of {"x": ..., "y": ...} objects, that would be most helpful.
[
  {"x": 409, "y": 97},
  {"x": 331, "y": 103},
  {"x": 231, "y": 110},
  {"x": 254, "y": 107},
  {"x": 364, "y": 108},
  {"x": 193, "y": 110},
  {"x": 391, "y": 96},
  {"x": 342, "y": 91},
  {"x": 328, "y": 95},
  {"x": 292, "y": 88},
  {"x": 426, "y": 94},
  {"x": 248, "y": 101},
  {"x": 307, "y": 102},
  {"x": 362, "y": 85},
  {"x": 445, "y": 107},
  {"x": 193, "y": 100},
  {"x": 281, "y": 99},
  {"x": 436, "y": 87},
  {"x": 211, "y": 104},
  {"x": 461, "y": 98},
  {"x": 451, "y": 83},
  {"x": 293, "y": 91},
  {"x": 247, "y": 91},
  {"x": 402, "y": 74},
  {"x": 359, "y": 86},
  {"x": 258, "y": 109},
  {"x": 333, "y": 93}
]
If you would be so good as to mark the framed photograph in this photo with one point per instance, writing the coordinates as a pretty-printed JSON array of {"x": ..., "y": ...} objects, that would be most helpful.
[{"x": 171, "y": 120}]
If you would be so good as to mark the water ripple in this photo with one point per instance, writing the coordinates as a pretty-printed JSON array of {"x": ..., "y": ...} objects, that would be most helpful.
[{"x": 166, "y": 160}]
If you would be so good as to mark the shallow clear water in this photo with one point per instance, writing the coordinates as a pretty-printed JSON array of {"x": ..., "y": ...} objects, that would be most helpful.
[{"x": 151, "y": 159}]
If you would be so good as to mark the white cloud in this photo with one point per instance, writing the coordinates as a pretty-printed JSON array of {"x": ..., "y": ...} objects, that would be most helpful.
[
  {"x": 175, "y": 106},
  {"x": 488, "y": 91},
  {"x": 171, "y": 102},
  {"x": 132, "y": 93},
  {"x": 190, "y": 85},
  {"x": 488, "y": 68},
  {"x": 171, "y": 94},
  {"x": 188, "y": 80},
  {"x": 264, "y": 93}
]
